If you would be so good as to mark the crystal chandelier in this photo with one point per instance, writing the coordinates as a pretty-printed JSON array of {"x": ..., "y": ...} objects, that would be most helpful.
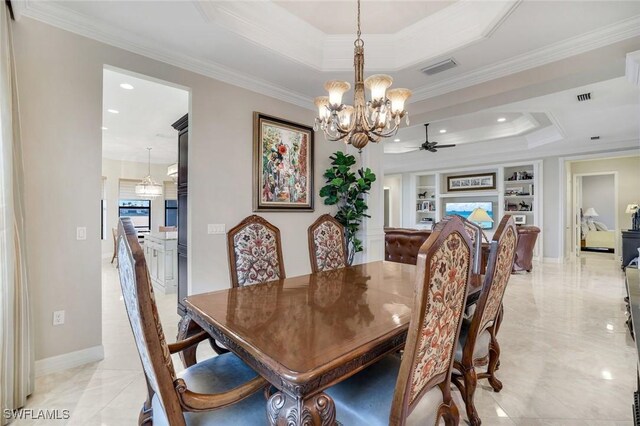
[
  {"x": 148, "y": 188},
  {"x": 365, "y": 121}
]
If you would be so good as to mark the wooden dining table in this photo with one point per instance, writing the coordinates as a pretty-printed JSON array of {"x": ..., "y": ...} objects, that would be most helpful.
[{"x": 306, "y": 333}]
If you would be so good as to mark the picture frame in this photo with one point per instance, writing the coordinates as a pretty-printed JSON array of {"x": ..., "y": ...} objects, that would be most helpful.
[
  {"x": 283, "y": 160},
  {"x": 519, "y": 219},
  {"x": 475, "y": 182}
]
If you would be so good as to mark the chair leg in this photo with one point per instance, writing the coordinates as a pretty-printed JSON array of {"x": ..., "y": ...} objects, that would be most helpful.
[
  {"x": 494, "y": 362},
  {"x": 187, "y": 327},
  {"x": 450, "y": 414},
  {"x": 468, "y": 391}
]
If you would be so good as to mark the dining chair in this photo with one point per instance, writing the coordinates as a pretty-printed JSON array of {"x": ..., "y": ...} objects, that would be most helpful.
[
  {"x": 255, "y": 252},
  {"x": 416, "y": 390},
  {"x": 114, "y": 234},
  {"x": 220, "y": 390},
  {"x": 478, "y": 345},
  {"x": 327, "y": 244}
]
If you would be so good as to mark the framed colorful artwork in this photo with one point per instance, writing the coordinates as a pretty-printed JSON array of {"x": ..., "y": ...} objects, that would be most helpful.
[{"x": 282, "y": 165}]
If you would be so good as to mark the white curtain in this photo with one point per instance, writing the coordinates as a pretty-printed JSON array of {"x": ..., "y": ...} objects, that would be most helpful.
[{"x": 16, "y": 335}]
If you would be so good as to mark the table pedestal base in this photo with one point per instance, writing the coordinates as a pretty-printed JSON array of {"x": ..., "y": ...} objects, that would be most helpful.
[{"x": 285, "y": 410}]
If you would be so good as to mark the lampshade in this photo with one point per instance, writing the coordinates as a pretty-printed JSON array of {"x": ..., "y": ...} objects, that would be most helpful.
[
  {"x": 322, "y": 102},
  {"x": 378, "y": 84},
  {"x": 172, "y": 171},
  {"x": 336, "y": 89},
  {"x": 591, "y": 212},
  {"x": 631, "y": 208},
  {"x": 479, "y": 215},
  {"x": 345, "y": 116},
  {"x": 398, "y": 97},
  {"x": 148, "y": 188}
]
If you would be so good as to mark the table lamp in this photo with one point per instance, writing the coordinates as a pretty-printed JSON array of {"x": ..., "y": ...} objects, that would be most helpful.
[
  {"x": 479, "y": 215},
  {"x": 590, "y": 214}
]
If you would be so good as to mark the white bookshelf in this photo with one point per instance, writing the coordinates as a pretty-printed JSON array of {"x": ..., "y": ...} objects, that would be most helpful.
[{"x": 517, "y": 192}]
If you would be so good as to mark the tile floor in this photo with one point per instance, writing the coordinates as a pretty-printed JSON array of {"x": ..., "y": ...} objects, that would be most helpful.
[{"x": 566, "y": 356}]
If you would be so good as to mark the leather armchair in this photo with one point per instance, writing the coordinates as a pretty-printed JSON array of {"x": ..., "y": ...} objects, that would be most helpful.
[
  {"x": 527, "y": 236},
  {"x": 402, "y": 245}
]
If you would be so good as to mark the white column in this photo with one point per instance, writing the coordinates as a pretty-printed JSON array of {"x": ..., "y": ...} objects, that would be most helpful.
[{"x": 372, "y": 229}]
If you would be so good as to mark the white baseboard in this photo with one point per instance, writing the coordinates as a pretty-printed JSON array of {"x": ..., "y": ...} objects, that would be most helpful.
[
  {"x": 552, "y": 260},
  {"x": 69, "y": 360}
]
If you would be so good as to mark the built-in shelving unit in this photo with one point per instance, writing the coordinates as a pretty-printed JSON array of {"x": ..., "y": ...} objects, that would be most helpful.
[{"x": 517, "y": 192}]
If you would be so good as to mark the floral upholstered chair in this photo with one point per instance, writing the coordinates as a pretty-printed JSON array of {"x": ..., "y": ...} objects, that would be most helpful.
[
  {"x": 327, "y": 244},
  {"x": 417, "y": 389},
  {"x": 478, "y": 344},
  {"x": 209, "y": 392},
  {"x": 255, "y": 252}
]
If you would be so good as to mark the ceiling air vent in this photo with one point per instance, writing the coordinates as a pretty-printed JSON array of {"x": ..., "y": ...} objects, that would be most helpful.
[
  {"x": 584, "y": 97},
  {"x": 595, "y": 138},
  {"x": 440, "y": 67}
]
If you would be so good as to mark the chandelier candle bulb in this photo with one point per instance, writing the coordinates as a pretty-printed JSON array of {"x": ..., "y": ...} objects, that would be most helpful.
[
  {"x": 378, "y": 85},
  {"x": 322, "y": 102},
  {"x": 336, "y": 89}
]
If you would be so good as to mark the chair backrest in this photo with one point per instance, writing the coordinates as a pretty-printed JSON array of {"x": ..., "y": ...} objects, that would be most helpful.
[
  {"x": 402, "y": 245},
  {"x": 327, "y": 244},
  {"x": 501, "y": 258},
  {"x": 255, "y": 252},
  {"x": 527, "y": 236},
  {"x": 442, "y": 278},
  {"x": 145, "y": 322},
  {"x": 477, "y": 235}
]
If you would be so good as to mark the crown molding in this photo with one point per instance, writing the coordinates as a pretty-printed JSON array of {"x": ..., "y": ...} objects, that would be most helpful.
[
  {"x": 338, "y": 46},
  {"x": 601, "y": 37},
  {"x": 465, "y": 22},
  {"x": 83, "y": 25}
]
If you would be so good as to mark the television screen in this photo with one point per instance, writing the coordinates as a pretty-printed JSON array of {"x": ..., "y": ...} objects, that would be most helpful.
[{"x": 465, "y": 209}]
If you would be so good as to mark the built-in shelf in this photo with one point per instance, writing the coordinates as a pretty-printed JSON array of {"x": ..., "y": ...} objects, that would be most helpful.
[
  {"x": 517, "y": 212},
  {"x": 469, "y": 194},
  {"x": 426, "y": 211},
  {"x": 426, "y": 187},
  {"x": 519, "y": 181},
  {"x": 510, "y": 197}
]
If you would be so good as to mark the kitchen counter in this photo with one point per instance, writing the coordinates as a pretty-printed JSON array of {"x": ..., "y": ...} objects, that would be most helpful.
[{"x": 161, "y": 252}]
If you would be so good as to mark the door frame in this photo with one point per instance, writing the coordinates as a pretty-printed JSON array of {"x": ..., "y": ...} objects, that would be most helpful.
[{"x": 577, "y": 200}]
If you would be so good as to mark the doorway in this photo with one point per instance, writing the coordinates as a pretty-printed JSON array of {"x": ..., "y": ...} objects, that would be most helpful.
[
  {"x": 392, "y": 185},
  {"x": 595, "y": 213},
  {"x": 137, "y": 114}
]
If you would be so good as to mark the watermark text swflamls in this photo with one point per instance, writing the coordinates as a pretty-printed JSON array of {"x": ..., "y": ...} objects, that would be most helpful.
[{"x": 36, "y": 414}]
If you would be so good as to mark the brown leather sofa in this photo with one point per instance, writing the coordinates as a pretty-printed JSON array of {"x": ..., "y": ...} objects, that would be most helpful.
[
  {"x": 402, "y": 245},
  {"x": 527, "y": 236}
]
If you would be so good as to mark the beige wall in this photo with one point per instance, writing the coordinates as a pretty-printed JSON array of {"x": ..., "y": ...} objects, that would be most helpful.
[
  {"x": 628, "y": 169},
  {"x": 60, "y": 92},
  {"x": 113, "y": 171}
]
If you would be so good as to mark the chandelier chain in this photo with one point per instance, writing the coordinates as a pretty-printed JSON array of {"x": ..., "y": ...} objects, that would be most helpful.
[{"x": 359, "y": 41}]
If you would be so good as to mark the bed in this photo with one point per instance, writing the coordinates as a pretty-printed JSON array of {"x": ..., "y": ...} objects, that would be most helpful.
[{"x": 600, "y": 239}]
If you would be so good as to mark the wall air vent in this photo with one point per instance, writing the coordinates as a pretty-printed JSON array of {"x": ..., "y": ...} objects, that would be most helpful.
[
  {"x": 595, "y": 138},
  {"x": 584, "y": 97},
  {"x": 440, "y": 67}
]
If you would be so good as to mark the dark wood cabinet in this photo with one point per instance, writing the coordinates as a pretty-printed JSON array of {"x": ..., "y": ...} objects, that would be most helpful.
[
  {"x": 182, "y": 126},
  {"x": 630, "y": 246}
]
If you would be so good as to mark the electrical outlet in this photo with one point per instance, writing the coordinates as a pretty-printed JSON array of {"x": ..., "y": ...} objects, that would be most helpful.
[
  {"x": 81, "y": 233},
  {"x": 216, "y": 228},
  {"x": 58, "y": 317}
]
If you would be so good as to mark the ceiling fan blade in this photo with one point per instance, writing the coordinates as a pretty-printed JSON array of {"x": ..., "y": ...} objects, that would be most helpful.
[
  {"x": 446, "y": 146},
  {"x": 432, "y": 149}
]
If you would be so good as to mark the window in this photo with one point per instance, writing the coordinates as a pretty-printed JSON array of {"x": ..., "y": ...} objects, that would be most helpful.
[
  {"x": 138, "y": 210},
  {"x": 171, "y": 213}
]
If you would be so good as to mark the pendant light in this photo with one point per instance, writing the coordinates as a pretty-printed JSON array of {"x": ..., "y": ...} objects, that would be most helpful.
[{"x": 148, "y": 188}]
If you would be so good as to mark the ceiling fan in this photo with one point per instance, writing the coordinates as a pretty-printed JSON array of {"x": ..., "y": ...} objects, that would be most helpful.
[{"x": 432, "y": 146}]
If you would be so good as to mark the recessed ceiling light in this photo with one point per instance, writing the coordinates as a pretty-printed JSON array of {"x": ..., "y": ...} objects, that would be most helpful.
[
  {"x": 501, "y": 119},
  {"x": 126, "y": 86},
  {"x": 443, "y": 130},
  {"x": 104, "y": 128},
  {"x": 396, "y": 140},
  {"x": 113, "y": 111}
]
